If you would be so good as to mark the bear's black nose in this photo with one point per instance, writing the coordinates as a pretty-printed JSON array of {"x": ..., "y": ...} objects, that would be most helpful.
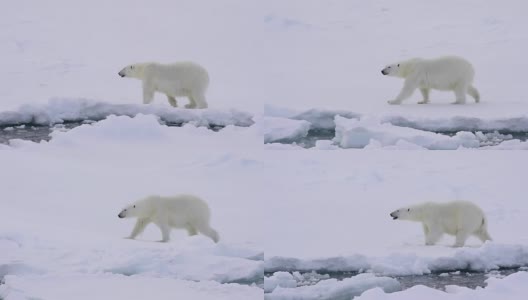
[
  {"x": 383, "y": 72},
  {"x": 120, "y": 74}
]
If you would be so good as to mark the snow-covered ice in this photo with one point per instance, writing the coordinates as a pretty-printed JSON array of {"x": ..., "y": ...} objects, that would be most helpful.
[
  {"x": 283, "y": 130},
  {"x": 352, "y": 133},
  {"x": 279, "y": 279},
  {"x": 341, "y": 202},
  {"x": 64, "y": 227},
  {"x": 334, "y": 289},
  {"x": 79, "y": 110},
  {"x": 403, "y": 130},
  {"x": 512, "y": 287},
  {"x": 110, "y": 286},
  {"x": 488, "y": 257},
  {"x": 308, "y": 61}
]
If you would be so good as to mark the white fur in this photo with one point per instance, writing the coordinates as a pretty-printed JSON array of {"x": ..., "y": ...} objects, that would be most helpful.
[
  {"x": 182, "y": 211},
  {"x": 179, "y": 79},
  {"x": 449, "y": 73},
  {"x": 459, "y": 218}
]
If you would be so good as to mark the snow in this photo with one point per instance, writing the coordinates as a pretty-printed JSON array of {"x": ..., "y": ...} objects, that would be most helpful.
[
  {"x": 109, "y": 286},
  {"x": 79, "y": 110},
  {"x": 347, "y": 288},
  {"x": 283, "y": 130},
  {"x": 306, "y": 62},
  {"x": 351, "y": 133},
  {"x": 340, "y": 202},
  {"x": 279, "y": 279},
  {"x": 511, "y": 287},
  {"x": 82, "y": 178},
  {"x": 488, "y": 257},
  {"x": 488, "y": 117},
  {"x": 58, "y": 49}
]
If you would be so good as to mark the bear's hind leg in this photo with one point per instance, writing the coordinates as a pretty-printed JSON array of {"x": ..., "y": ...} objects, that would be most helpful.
[
  {"x": 191, "y": 230},
  {"x": 483, "y": 235},
  {"x": 460, "y": 93},
  {"x": 165, "y": 232},
  {"x": 461, "y": 238},
  {"x": 200, "y": 101},
  {"x": 172, "y": 101},
  {"x": 425, "y": 95},
  {"x": 473, "y": 92},
  {"x": 192, "y": 103},
  {"x": 206, "y": 230}
]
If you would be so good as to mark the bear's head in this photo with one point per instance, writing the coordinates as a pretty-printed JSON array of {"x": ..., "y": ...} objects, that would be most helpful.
[
  {"x": 392, "y": 70},
  {"x": 131, "y": 211},
  {"x": 405, "y": 213},
  {"x": 131, "y": 71}
]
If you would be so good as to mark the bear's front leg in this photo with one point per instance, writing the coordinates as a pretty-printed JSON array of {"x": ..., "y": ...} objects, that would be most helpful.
[
  {"x": 148, "y": 93},
  {"x": 433, "y": 235},
  {"x": 408, "y": 89},
  {"x": 138, "y": 228}
]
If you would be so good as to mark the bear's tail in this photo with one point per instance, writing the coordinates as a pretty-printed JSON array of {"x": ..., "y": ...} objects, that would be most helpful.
[{"x": 473, "y": 92}]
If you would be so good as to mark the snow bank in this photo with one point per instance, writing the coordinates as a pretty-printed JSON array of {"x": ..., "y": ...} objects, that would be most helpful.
[
  {"x": 443, "y": 121},
  {"x": 283, "y": 130},
  {"x": 146, "y": 129},
  {"x": 352, "y": 133},
  {"x": 488, "y": 257},
  {"x": 512, "y": 287},
  {"x": 67, "y": 286},
  {"x": 515, "y": 123},
  {"x": 279, "y": 279},
  {"x": 60, "y": 110},
  {"x": 334, "y": 289},
  {"x": 191, "y": 259},
  {"x": 510, "y": 145},
  {"x": 324, "y": 119}
]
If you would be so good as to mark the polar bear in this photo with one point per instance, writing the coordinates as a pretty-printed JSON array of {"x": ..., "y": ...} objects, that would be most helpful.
[
  {"x": 185, "y": 79},
  {"x": 459, "y": 218},
  {"x": 449, "y": 73},
  {"x": 181, "y": 211}
]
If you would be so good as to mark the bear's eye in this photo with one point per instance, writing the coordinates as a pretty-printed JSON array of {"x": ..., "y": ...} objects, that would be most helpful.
[
  {"x": 398, "y": 65},
  {"x": 131, "y": 67},
  {"x": 408, "y": 209},
  {"x": 134, "y": 206}
]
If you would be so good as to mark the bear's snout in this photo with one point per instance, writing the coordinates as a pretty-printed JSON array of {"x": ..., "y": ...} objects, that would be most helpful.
[
  {"x": 393, "y": 215},
  {"x": 121, "y": 215},
  {"x": 121, "y": 74},
  {"x": 384, "y": 72}
]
